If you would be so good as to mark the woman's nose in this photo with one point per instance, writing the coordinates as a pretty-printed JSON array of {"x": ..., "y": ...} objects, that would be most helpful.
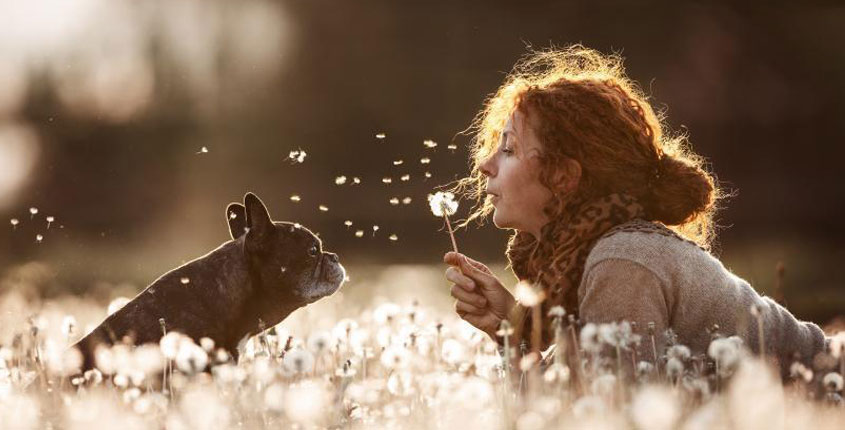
[{"x": 488, "y": 166}]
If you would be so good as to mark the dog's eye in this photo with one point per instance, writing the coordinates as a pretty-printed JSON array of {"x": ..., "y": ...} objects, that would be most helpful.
[{"x": 313, "y": 251}]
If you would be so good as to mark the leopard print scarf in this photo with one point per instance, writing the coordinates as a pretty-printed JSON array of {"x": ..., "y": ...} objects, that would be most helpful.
[{"x": 556, "y": 262}]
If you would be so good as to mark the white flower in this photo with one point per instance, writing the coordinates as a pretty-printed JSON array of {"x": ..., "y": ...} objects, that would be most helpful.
[
  {"x": 299, "y": 360},
  {"x": 680, "y": 352},
  {"x": 442, "y": 203},
  {"x": 726, "y": 351},
  {"x": 837, "y": 345},
  {"x": 68, "y": 325},
  {"x": 191, "y": 358},
  {"x": 395, "y": 357},
  {"x": 589, "y": 337},
  {"x": 674, "y": 367},
  {"x": 655, "y": 408},
  {"x": 528, "y": 295},
  {"x": 833, "y": 381}
]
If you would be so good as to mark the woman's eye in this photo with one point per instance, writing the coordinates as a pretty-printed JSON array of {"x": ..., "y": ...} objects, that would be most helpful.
[{"x": 313, "y": 251}]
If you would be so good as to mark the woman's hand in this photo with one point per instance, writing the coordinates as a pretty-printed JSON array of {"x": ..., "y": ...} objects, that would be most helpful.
[{"x": 481, "y": 299}]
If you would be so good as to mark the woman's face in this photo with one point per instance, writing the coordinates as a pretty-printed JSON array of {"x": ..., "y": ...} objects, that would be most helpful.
[{"x": 512, "y": 172}]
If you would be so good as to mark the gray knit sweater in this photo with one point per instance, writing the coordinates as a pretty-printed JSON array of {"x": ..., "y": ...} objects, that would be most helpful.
[{"x": 642, "y": 275}]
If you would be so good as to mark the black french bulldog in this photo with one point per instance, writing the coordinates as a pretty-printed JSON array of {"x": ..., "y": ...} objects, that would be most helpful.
[{"x": 268, "y": 270}]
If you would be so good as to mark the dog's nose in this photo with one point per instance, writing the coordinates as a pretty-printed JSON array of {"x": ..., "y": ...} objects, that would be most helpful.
[{"x": 332, "y": 256}]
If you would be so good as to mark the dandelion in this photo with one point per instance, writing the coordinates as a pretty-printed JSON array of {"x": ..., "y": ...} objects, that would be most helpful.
[
  {"x": 395, "y": 357},
  {"x": 295, "y": 198},
  {"x": 425, "y": 160},
  {"x": 32, "y": 212},
  {"x": 68, "y": 326},
  {"x": 298, "y": 360},
  {"x": 386, "y": 312},
  {"x": 655, "y": 408},
  {"x": 323, "y": 208},
  {"x": 528, "y": 294},
  {"x": 429, "y": 143},
  {"x": 207, "y": 344},
  {"x": 453, "y": 352},
  {"x": 306, "y": 402},
  {"x": 444, "y": 204},
  {"x": 340, "y": 180},
  {"x": 680, "y": 352},
  {"x": 50, "y": 220},
  {"x": 319, "y": 342},
  {"x": 380, "y": 135},
  {"x": 394, "y": 201},
  {"x": 557, "y": 373},
  {"x": 14, "y": 222},
  {"x": 726, "y": 352},
  {"x": 589, "y": 337},
  {"x": 297, "y": 156},
  {"x": 833, "y": 382},
  {"x": 557, "y": 312}
]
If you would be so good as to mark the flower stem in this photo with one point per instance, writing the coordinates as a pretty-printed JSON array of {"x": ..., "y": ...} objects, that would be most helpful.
[{"x": 451, "y": 233}]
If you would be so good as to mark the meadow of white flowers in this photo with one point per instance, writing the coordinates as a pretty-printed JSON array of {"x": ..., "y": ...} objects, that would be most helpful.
[{"x": 364, "y": 359}]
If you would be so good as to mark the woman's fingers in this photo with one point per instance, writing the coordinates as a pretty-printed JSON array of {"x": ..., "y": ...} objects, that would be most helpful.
[
  {"x": 454, "y": 275},
  {"x": 474, "y": 299},
  {"x": 465, "y": 307}
]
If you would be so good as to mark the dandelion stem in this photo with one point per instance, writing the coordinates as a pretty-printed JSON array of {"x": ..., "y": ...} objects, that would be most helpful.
[{"x": 451, "y": 233}]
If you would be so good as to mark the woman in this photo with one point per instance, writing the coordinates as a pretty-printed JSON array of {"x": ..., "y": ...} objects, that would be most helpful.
[{"x": 612, "y": 216}]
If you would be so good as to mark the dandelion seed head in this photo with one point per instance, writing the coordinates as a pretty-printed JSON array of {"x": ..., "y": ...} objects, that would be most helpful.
[
  {"x": 68, "y": 325},
  {"x": 655, "y": 407},
  {"x": 395, "y": 357},
  {"x": 453, "y": 352},
  {"x": 680, "y": 352},
  {"x": 442, "y": 203},
  {"x": 319, "y": 342},
  {"x": 833, "y": 381},
  {"x": 556, "y": 373},
  {"x": 528, "y": 295},
  {"x": 299, "y": 360}
]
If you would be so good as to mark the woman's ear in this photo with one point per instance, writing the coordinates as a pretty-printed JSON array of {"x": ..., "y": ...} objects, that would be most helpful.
[{"x": 568, "y": 175}]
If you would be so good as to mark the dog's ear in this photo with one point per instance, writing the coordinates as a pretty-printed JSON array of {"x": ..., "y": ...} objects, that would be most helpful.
[
  {"x": 258, "y": 219},
  {"x": 236, "y": 218}
]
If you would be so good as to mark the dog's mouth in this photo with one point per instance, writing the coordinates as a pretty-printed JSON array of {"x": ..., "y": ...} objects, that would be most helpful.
[{"x": 327, "y": 278}]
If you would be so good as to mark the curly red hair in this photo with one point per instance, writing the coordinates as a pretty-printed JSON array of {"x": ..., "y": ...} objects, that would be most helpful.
[{"x": 582, "y": 106}]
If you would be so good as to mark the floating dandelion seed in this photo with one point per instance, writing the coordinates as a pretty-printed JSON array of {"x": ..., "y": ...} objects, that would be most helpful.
[
  {"x": 387, "y": 180},
  {"x": 347, "y": 223},
  {"x": 425, "y": 160},
  {"x": 398, "y": 162},
  {"x": 14, "y": 222},
  {"x": 203, "y": 150},
  {"x": 185, "y": 280},
  {"x": 406, "y": 177},
  {"x": 356, "y": 180},
  {"x": 295, "y": 198},
  {"x": 39, "y": 238},
  {"x": 380, "y": 136},
  {"x": 359, "y": 233},
  {"x": 444, "y": 204},
  {"x": 427, "y": 175},
  {"x": 50, "y": 220},
  {"x": 394, "y": 201},
  {"x": 375, "y": 229},
  {"x": 430, "y": 143},
  {"x": 452, "y": 147},
  {"x": 323, "y": 208},
  {"x": 528, "y": 294},
  {"x": 340, "y": 180},
  {"x": 32, "y": 212},
  {"x": 406, "y": 201},
  {"x": 232, "y": 215},
  {"x": 297, "y": 156},
  {"x": 393, "y": 237}
]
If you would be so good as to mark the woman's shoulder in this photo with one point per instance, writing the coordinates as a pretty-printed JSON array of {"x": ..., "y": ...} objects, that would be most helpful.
[{"x": 648, "y": 243}]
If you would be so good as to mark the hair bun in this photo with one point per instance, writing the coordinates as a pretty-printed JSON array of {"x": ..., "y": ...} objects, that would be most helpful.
[{"x": 679, "y": 191}]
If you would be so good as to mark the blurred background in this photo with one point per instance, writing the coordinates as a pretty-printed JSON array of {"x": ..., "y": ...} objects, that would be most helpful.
[{"x": 126, "y": 127}]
